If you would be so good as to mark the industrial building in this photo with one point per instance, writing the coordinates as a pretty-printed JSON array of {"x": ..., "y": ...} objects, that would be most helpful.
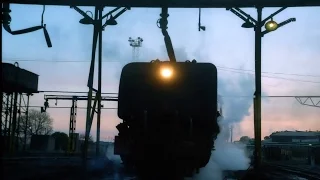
[
  {"x": 301, "y": 146},
  {"x": 295, "y": 137}
]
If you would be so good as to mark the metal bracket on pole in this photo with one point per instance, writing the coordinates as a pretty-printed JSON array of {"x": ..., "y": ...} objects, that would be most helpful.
[
  {"x": 246, "y": 15},
  {"x": 273, "y": 14}
]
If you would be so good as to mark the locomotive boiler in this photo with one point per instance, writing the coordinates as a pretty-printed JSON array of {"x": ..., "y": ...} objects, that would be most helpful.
[{"x": 169, "y": 113}]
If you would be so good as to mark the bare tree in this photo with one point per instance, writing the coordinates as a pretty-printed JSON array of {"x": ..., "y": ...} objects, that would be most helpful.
[{"x": 38, "y": 123}]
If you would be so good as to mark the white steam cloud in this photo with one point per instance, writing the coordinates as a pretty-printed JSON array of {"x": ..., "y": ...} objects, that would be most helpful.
[{"x": 226, "y": 156}]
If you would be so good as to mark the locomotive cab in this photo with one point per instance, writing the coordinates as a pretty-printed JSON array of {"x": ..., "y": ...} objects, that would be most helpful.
[{"x": 167, "y": 109}]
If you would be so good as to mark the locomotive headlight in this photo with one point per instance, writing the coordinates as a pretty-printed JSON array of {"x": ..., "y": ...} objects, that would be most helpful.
[{"x": 166, "y": 72}]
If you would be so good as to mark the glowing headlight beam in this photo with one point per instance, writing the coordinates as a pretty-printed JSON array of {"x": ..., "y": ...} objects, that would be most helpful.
[{"x": 166, "y": 72}]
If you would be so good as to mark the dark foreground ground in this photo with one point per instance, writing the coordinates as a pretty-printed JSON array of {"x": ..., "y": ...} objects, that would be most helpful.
[{"x": 105, "y": 169}]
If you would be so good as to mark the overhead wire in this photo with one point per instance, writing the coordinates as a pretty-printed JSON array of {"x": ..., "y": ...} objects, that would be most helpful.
[
  {"x": 223, "y": 68},
  {"x": 62, "y": 61},
  {"x": 277, "y": 73},
  {"x": 66, "y": 107},
  {"x": 44, "y": 61},
  {"x": 72, "y": 92},
  {"x": 272, "y": 77}
]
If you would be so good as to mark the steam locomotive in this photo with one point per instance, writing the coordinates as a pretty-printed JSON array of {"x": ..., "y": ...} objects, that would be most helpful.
[{"x": 169, "y": 113}]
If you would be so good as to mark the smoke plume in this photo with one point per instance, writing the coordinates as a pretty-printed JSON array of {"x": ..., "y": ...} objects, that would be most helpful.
[
  {"x": 229, "y": 156},
  {"x": 226, "y": 156}
]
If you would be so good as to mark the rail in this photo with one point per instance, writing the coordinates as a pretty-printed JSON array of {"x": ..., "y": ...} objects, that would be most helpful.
[{"x": 302, "y": 172}]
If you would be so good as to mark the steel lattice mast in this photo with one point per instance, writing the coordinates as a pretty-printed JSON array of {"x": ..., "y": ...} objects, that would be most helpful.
[{"x": 135, "y": 44}]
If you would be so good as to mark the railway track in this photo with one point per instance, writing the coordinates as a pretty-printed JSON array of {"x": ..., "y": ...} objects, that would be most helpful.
[{"x": 301, "y": 172}]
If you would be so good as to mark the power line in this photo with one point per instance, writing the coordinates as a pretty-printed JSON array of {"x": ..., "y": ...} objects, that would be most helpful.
[
  {"x": 272, "y": 77},
  {"x": 271, "y": 96},
  {"x": 223, "y": 67},
  {"x": 218, "y": 67},
  {"x": 66, "y": 107},
  {"x": 55, "y": 61},
  {"x": 290, "y": 74},
  {"x": 71, "y": 92},
  {"x": 224, "y": 96}
]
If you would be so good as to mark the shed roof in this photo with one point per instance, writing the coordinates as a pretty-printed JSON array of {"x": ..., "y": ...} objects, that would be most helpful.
[{"x": 296, "y": 133}]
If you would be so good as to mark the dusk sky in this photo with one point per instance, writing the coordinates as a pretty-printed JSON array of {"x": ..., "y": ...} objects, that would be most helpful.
[{"x": 292, "y": 49}]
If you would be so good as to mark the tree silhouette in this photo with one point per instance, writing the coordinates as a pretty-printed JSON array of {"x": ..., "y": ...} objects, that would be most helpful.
[
  {"x": 245, "y": 139},
  {"x": 38, "y": 123}
]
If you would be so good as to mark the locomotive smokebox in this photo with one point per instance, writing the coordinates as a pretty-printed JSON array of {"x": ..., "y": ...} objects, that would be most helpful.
[{"x": 189, "y": 88}]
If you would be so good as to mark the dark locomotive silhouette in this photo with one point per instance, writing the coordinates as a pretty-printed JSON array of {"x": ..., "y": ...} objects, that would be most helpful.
[{"x": 169, "y": 113}]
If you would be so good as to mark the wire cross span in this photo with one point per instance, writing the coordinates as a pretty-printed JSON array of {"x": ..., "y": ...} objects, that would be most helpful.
[{"x": 309, "y": 101}]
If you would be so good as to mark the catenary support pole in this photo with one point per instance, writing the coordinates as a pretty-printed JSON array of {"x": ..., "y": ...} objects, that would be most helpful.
[
  {"x": 14, "y": 124},
  {"x": 257, "y": 103},
  {"x": 90, "y": 86},
  {"x": 26, "y": 125},
  {"x": 99, "y": 24},
  {"x": 19, "y": 117},
  {"x": 7, "y": 115}
]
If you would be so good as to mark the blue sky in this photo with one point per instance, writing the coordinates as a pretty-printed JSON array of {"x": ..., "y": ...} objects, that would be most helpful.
[{"x": 292, "y": 49}]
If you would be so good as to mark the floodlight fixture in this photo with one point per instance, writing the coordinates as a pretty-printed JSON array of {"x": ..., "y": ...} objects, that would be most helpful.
[
  {"x": 85, "y": 21},
  {"x": 248, "y": 24},
  {"x": 111, "y": 21},
  {"x": 271, "y": 25}
]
